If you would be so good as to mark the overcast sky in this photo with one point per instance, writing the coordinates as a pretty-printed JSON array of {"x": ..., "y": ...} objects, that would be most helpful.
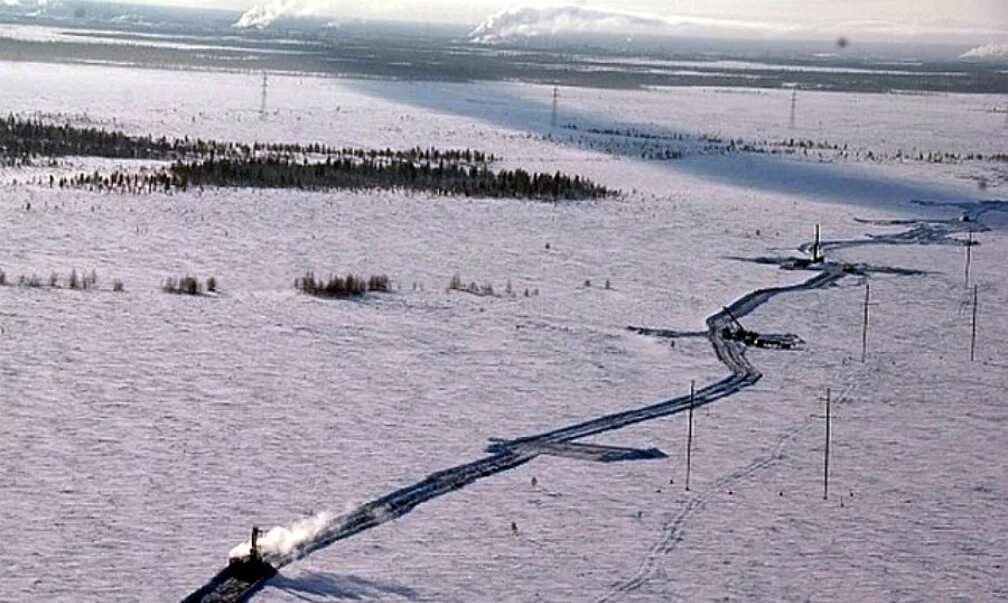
[{"x": 983, "y": 16}]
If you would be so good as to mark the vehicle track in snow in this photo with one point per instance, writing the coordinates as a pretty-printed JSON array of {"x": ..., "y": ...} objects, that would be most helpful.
[
  {"x": 921, "y": 232},
  {"x": 235, "y": 584}
]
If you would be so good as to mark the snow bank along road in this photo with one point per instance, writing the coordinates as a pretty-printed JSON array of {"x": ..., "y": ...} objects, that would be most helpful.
[{"x": 239, "y": 582}]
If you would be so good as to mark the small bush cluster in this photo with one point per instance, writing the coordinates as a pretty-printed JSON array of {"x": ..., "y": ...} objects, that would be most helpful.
[
  {"x": 86, "y": 280},
  {"x": 457, "y": 284},
  {"x": 187, "y": 284},
  {"x": 349, "y": 286},
  {"x": 117, "y": 286},
  {"x": 75, "y": 280}
]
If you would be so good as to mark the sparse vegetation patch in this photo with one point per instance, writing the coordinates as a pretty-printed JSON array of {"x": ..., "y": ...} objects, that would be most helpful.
[
  {"x": 186, "y": 285},
  {"x": 350, "y": 285}
]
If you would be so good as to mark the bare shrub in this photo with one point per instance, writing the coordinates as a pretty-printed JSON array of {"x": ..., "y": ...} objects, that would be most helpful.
[
  {"x": 53, "y": 280},
  {"x": 3, "y": 278},
  {"x": 74, "y": 281},
  {"x": 89, "y": 279},
  {"x": 117, "y": 286},
  {"x": 487, "y": 288},
  {"x": 186, "y": 285},
  {"x": 378, "y": 282},
  {"x": 211, "y": 285},
  {"x": 190, "y": 286}
]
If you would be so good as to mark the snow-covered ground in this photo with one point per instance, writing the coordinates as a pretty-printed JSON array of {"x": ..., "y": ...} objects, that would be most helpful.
[{"x": 144, "y": 433}]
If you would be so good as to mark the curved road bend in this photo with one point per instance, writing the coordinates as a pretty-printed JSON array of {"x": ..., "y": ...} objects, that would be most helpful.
[{"x": 234, "y": 583}]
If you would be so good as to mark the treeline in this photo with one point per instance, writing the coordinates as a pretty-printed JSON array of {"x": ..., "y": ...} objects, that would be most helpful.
[
  {"x": 22, "y": 140},
  {"x": 442, "y": 177}
]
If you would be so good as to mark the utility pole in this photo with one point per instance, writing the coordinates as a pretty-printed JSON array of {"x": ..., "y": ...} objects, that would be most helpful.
[
  {"x": 973, "y": 336},
  {"x": 825, "y": 482},
  {"x": 689, "y": 433},
  {"x": 969, "y": 257},
  {"x": 816, "y": 253},
  {"x": 553, "y": 119},
  {"x": 864, "y": 325},
  {"x": 794, "y": 102},
  {"x": 262, "y": 104}
]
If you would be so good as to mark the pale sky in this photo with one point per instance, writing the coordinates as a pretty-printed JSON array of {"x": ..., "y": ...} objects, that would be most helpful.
[{"x": 965, "y": 16}]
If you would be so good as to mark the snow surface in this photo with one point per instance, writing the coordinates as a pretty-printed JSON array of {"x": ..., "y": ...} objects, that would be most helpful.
[{"x": 145, "y": 433}]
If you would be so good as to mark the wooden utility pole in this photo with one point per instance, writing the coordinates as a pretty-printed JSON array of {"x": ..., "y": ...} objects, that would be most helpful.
[
  {"x": 864, "y": 325},
  {"x": 969, "y": 257},
  {"x": 794, "y": 102},
  {"x": 825, "y": 479},
  {"x": 689, "y": 433},
  {"x": 262, "y": 104},
  {"x": 553, "y": 120},
  {"x": 973, "y": 336}
]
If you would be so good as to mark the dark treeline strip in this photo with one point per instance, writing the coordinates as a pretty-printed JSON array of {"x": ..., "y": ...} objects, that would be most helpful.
[
  {"x": 350, "y": 286},
  {"x": 443, "y": 177},
  {"x": 660, "y": 146},
  {"x": 24, "y": 140}
]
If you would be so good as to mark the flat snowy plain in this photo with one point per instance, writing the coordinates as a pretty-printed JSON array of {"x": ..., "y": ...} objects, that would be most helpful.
[{"x": 142, "y": 433}]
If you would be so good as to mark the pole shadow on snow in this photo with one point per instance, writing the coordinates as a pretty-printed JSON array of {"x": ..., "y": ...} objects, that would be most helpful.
[{"x": 503, "y": 105}]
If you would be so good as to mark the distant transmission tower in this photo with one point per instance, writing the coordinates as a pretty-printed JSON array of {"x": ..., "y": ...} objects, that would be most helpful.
[
  {"x": 794, "y": 103},
  {"x": 553, "y": 120},
  {"x": 262, "y": 104}
]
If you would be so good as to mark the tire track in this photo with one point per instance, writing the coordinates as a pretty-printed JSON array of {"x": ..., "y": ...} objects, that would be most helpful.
[
  {"x": 236, "y": 583},
  {"x": 672, "y": 535}
]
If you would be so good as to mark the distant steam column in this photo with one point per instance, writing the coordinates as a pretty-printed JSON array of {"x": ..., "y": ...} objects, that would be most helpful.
[{"x": 262, "y": 104}]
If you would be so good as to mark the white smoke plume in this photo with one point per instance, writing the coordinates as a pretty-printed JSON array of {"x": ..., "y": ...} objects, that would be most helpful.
[
  {"x": 531, "y": 22},
  {"x": 987, "y": 51},
  {"x": 528, "y": 22},
  {"x": 284, "y": 541},
  {"x": 264, "y": 14}
]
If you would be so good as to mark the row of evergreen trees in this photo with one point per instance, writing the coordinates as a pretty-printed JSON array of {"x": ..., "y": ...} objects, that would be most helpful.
[
  {"x": 22, "y": 139},
  {"x": 443, "y": 177}
]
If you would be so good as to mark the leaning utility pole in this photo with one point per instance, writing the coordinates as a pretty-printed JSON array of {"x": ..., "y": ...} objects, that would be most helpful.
[{"x": 689, "y": 433}]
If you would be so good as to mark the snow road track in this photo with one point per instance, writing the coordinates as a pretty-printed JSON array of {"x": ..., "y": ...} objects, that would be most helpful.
[
  {"x": 226, "y": 586},
  {"x": 230, "y": 585}
]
